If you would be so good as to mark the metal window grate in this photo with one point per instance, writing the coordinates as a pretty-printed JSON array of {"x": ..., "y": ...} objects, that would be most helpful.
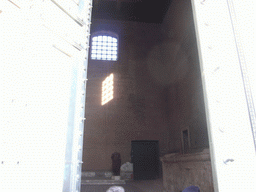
[{"x": 104, "y": 48}]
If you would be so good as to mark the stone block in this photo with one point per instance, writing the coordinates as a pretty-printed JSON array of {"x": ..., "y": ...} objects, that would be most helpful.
[{"x": 183, "y": 170}]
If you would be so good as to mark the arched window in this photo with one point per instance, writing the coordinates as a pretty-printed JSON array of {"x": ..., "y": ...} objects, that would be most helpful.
[{"x": 104, "y": 47}]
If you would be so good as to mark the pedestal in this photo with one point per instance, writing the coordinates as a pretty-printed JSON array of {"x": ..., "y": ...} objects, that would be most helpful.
[{"x": 183, "y": 170}]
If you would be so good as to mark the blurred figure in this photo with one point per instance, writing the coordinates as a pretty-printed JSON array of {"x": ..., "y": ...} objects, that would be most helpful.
[
  {"x": 116, "y": 189},
  {"x": 192, "y": 189},
  {"x": 116, "y": 163}
]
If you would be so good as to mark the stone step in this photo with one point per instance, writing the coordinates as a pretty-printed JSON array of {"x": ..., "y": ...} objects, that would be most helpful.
[{"x": 103, "y": 182}]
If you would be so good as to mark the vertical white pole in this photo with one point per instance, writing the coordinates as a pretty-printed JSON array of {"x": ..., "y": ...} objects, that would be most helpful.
[{"x": 43, "y": 56}]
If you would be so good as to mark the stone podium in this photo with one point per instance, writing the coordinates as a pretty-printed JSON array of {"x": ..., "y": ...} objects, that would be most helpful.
[{"x": 183, "y": 170}]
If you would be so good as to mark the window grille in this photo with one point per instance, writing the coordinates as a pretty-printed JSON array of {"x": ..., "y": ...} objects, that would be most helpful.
[{"x": 104, "y": 47}]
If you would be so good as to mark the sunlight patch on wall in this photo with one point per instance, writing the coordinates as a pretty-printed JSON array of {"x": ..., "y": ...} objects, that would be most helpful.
[{"x": 107, "y": 89}]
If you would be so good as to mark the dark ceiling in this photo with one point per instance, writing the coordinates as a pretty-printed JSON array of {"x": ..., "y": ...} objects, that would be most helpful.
[{"x": 147, "y": 11}]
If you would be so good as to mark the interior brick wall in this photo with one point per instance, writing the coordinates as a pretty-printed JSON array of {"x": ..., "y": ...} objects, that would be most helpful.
[
  {"x": 157, "y": 89},
  {"x": 137, "y": 110},
  {"x": 186, "y": 101}
]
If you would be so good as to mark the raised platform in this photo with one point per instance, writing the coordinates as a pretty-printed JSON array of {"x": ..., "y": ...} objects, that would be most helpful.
[
  {"x": 183, "y": 170},
  {"x": 100, "y": 178},
  {"x": 102, "y": 182}
]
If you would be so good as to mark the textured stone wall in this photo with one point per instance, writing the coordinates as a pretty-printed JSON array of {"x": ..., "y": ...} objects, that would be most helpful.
[{"x": 181, "y": 171}]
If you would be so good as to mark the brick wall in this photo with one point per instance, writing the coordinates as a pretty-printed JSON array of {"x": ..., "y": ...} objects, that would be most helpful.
[
  {"x": 137, "y": 110},
  {"x": 186, "y": 103},
  {"x": 157, "y": 89}
]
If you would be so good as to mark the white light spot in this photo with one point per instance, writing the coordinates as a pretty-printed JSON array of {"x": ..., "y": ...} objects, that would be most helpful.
[{"x": 107, "y": 89}]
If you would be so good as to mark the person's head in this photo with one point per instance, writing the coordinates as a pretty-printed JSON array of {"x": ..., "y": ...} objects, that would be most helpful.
[
  {"x": 116, "y": 189},
  {"x": 192, "y": 189}
]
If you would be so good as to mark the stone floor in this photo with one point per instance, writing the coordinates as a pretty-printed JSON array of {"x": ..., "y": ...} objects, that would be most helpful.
[{"x": 130, "y": 186}]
